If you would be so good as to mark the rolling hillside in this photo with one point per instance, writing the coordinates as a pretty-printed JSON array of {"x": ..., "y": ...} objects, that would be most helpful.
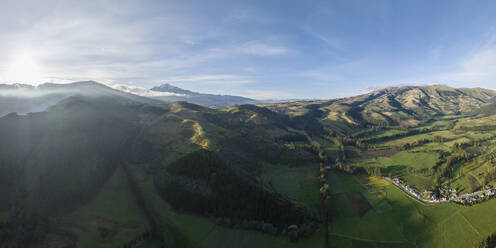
[
  {"x": 405, "y": 106},
  {"x": 105, "y": 168},
  {"x": 55, "y": 162},
  {"x": 486, "y": 110}
]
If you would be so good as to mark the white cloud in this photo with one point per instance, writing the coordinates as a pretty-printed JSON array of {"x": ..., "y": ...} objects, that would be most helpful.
[
  {"x": 211, "y": 78},
  {"x": 131, "y": 42},
  {"x": 476, "y": 69},
  {"x": 267, "y": 94},
  {"x": 262, "y": 49}
]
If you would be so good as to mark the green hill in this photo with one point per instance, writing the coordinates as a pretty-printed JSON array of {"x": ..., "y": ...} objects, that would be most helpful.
[
  {"x": 112, "y": 170},
  {"x": 24, "y": 99},
  {"x": 405, "y": 106},
  {"x": 486, "y": 110},
  {"x": 55, "y": 162}
]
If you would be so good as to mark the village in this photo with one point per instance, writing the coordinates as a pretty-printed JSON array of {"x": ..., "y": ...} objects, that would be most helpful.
[{"x": 445, "y": 194}]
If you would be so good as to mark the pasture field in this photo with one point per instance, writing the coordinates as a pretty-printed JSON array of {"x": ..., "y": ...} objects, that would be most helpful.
[
  {"x": 436, "y": 123},
  {"x": 367, "y": 212},
  {"x": 408, "y": 222},
  {"x": 329, "y": 147},
  {"x": 407, "y": 140},
  {"x": 414, "y": 158},
  {"x": 459, "y": 140},
  {"x": 4, "y": 216},
  {"x": 473, "y": 122},
  {"x": 193, "y": 228},
  {"x": 432, "y": 147},
  {"x": 334, "y": 183},
  {"x": 226, "y": 238},
  {"x": 203, "y": 232},
  {"x": 469, "y": 176},
  {"x": 112, "y": 218},
  {"x": 421, "y": 164},
  {"x": 417, "y": 160},
  {"x": 365, "y": 221},
  {"x": 386, "y": 133},
  {"x": 339, "y": 242},
  {"x": 419, "y": 181},
  {"x": 299, "y": 184}
]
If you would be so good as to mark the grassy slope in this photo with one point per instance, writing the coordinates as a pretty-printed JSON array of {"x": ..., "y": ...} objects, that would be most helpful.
[
  {"x": 329, "y": 147},
  {"x": 203, "y": 232},
  {"x": 417, "y": 160},
  {"x": 394, "y": 216},
  {"x": 299, "y": 184},
  {"x": 193, "y": 227},
  {"x": 408, "y": 106},
  {"x": 4, "y": 216},
  {"x": 443, "y": 225},
  {"x": 113, "y": 208},
  {"x": 226, "y": 238},
  {"x": 426, "y": 155},
  {"x": 346, "y": 221}
]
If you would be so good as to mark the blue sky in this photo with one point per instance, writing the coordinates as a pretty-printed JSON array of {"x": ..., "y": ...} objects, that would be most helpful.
[{"x": 260, "y": 49}]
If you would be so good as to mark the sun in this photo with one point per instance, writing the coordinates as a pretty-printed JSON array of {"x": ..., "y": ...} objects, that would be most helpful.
[{"x": 23, "y": 68}]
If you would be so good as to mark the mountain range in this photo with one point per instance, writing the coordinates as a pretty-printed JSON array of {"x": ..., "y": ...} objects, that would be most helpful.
[
  {"x": 23, "y": 98},
  {"x": 407, "y": 106},
  {"x": 170, "y": 93},
  {"x": 87, "y": 165}
]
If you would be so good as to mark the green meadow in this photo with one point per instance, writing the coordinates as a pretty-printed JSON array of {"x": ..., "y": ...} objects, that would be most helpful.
[
  {"x": 299, "y": 184},
  {"x": 418, "y": 160},
  {"x": 397, "y": 220},
  {"x": 111, "y": 218},
  {"x": 331, "y": 149},
  {"x": 198, "y": 231},
  {"x": 4, "y": 216},
  {"x": 367, "y": 212}
]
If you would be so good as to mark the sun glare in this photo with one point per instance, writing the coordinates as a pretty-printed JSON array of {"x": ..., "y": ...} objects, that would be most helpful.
[{"x": 23, "y": 69}]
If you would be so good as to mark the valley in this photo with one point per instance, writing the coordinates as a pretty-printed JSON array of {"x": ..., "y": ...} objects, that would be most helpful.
[
  {"x": 141, "y": 173},
  {"x": 247, "y": 124}
]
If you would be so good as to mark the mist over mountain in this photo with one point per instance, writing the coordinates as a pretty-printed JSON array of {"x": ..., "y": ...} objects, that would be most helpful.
[{"x": 22, "y": 98}]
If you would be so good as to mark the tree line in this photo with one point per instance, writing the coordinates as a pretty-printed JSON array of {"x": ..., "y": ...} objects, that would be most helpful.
[
  {"x": 202, "y": 183},
  {"x": 489, "y": 242}
]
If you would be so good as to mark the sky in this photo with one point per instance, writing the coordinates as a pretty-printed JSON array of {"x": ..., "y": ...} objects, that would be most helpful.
[{"x": 260, "y": 49}]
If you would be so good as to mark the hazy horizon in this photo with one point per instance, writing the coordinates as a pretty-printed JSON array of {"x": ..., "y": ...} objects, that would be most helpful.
[{"x": 147, "y": 92}]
